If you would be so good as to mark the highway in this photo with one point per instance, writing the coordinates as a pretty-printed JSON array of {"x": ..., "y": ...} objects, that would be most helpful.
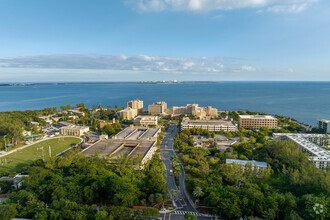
[{"x": 182, "y": 200}]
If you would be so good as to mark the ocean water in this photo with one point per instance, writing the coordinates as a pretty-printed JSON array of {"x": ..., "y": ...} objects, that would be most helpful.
[{"x": 305, "y": 101}]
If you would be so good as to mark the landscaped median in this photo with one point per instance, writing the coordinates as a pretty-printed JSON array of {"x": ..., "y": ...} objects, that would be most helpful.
[{"x": 14, "y": 162}]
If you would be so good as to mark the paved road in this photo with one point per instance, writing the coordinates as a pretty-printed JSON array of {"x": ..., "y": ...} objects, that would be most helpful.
[{"x": 182, "y": 200}]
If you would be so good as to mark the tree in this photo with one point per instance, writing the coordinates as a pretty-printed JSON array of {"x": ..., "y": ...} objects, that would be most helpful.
[
  {"x": 198, "y": 192},
  {"x": 189, "y": 216},
  {"x": 172, "y": 194},
  {"x": 7, "y": 212}
]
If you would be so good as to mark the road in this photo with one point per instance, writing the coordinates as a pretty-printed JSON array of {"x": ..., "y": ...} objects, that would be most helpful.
[{"x": 182, "y": 200}]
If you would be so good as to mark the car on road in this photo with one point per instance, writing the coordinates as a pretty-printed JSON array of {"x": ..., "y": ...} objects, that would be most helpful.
[{"x": 171, "y": 172}]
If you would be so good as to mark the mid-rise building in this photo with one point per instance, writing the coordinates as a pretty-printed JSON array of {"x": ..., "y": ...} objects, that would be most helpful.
[
  {"x": 311, "y": 144},
  {"x": 193, "y": 109},
  {"x": 257, "y": 121},
  {"x": 128, "y": 113},
  {"x": 157, "y": 108},
  {"x": 136, "y": 104},
  {"x": 73, "y": 130},
  {"x": 210, "y": 125},
  {"x": 146, "y": 120},
  {"x": 324, "y": 125}
]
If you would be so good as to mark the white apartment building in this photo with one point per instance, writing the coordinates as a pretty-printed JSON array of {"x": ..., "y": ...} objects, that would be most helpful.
[{"x": 319, "y": 156}]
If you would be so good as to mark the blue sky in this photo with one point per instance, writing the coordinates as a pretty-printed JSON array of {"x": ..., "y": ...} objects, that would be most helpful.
[{"x": 133, "y": 40}]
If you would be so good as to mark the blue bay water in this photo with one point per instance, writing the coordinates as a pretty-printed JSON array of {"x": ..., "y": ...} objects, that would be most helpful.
[{"x": 305, "y": 101}]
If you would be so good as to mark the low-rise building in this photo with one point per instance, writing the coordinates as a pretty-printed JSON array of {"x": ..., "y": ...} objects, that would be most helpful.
[
  {"x": 76, "y": 112},
  {"x": 136, "y": 104},
  {"x": 115, "y": 148},
  {"x": 146, "y": 120},
  {"x": 324, "y": 125},
  {"x": 210, "y": 125},
  {"x": 17, "y": 181},
  {"x": 73, "y": 130},
  {"x": 308, "y": 143},
  {"x": 128, "y": 113},
  {"x": 104, "y": 123},
  {"x": 157, "y": 108},
  {"x": 254, "y": 164},
  {"x": 257, "y": 121}
]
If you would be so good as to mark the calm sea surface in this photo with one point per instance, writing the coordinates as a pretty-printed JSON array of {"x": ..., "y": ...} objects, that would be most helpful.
[{"x": 305, "y": 101}]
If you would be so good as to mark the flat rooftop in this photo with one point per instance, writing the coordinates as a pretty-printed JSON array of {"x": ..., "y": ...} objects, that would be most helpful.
[
  {"x": 209, "y": 122},
  {"x": 131, "y": 148},
  {"x": 302, "y": 140},
  {"x": 325, "y": 120},
  {"x": 247, "y": 162},
  {"x": 137, "y": 133},
  {"x": 258, "y": 116}
]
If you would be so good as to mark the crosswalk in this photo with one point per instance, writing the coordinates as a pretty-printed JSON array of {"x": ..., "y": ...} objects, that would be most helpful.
[{"x": 184, "y": 212}]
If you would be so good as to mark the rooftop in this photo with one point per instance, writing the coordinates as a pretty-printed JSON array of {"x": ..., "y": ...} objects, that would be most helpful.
[
  {"x": 302, "y": 140},
  {"x": 131, "y": 148},
  {"x": 209, "y": 122},
  {"x": 258, "y": 116},
  {"x": 247, "y": 162},
  {"x": 137, "y": 133}
]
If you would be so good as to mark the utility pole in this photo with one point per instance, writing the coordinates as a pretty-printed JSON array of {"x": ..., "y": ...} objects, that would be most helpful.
[
  {"x": 4, "y": 137},
  {"x": 50, "y": 152}
]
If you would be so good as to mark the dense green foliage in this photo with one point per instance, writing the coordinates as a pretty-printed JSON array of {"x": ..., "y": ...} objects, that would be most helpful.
[
  {"x": 13, "y": 123},
  {"x": 288, "y": 189},
  {"x": 58, "y": 188}
]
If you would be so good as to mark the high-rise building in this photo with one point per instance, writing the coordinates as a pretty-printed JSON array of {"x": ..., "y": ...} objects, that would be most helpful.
[
  {"x": 136, "y": 104},
  {"x": 257, "y": 121},
  {"x": 157, "y": 108},
  {"x": 324, "y": 125}
]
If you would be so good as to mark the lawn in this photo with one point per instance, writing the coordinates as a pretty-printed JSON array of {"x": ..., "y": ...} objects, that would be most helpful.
[{"x": 16, "y": 161}]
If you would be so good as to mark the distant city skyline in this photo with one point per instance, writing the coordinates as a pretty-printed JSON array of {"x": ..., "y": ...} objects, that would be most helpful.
[{"x": 186, "y": 40}]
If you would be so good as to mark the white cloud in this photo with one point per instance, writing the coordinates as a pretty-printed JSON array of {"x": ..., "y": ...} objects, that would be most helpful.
[
  {"x": 248, "y": 68},
  {"x": 213, "y": 5},
  {"x": 178, "y": 65},
  {"x": 290, "y": 70}
]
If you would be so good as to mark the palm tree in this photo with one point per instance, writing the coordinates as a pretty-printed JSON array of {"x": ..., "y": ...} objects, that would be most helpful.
[
  {"x": 172, "y": 194},
  {"x": 198, "y": 192}
]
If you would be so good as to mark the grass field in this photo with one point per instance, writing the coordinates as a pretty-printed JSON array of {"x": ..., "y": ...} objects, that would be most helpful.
[{"x": 16, "y": 161}]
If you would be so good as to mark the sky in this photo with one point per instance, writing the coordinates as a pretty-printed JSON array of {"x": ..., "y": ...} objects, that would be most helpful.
[{"x": 144, "y": 40}]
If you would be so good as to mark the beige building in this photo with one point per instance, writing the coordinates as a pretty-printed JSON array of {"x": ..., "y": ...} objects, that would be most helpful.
[
  {"x": 104, "y": 123},
  {"x": 73, "y": 130},
  {"x": 210, "y": 125},
  {"x": 136, "y": 104},
  {"x": 257, "y": 121},
  {"x": 128, "y": 113},
  {"x": 157, "y": 108},
  {"x": 193, "y": 109},
  {"x": 146, "y": 120}
]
